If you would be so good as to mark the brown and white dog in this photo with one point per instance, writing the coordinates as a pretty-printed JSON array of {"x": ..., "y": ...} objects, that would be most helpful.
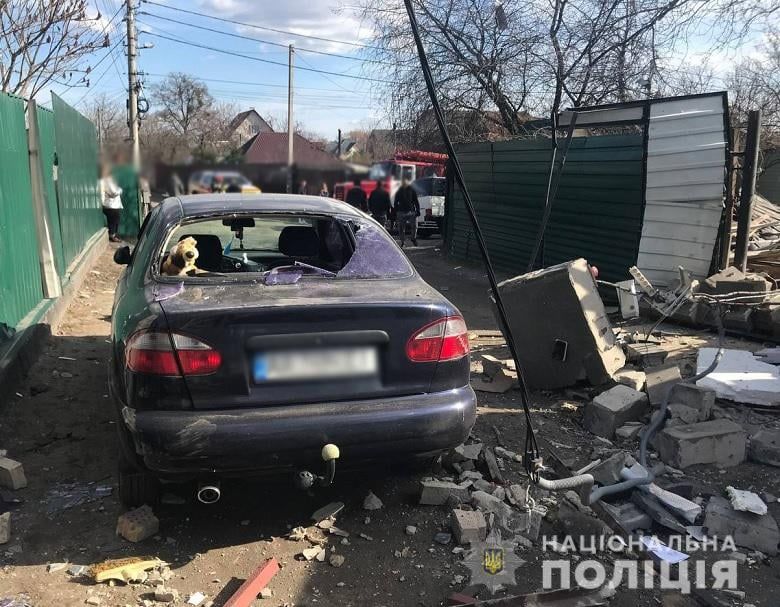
[{"x": 181, "y": 260}]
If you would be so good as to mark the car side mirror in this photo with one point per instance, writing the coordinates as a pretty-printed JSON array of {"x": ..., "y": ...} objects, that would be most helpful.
[{"x": 122, "y": 256}]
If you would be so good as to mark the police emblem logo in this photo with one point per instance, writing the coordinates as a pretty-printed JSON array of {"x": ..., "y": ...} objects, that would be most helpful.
[{"x": 493, "y": 560}]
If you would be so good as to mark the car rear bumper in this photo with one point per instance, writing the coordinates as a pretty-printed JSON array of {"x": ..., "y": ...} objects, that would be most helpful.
[{"x": 244, "y": 441}]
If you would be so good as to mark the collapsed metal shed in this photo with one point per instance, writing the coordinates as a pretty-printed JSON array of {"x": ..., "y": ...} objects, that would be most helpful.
[{"x": 651, "y": 198}]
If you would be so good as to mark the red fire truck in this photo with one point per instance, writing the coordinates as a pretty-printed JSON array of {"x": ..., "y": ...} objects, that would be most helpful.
[{"x": 411, "y": 164}]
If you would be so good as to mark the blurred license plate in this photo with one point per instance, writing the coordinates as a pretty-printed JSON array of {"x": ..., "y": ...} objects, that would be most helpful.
[{"x": 325, "y": 363}]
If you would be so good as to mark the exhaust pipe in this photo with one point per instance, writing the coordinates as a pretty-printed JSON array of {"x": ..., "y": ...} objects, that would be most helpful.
[{"x": 209, "y": 494}]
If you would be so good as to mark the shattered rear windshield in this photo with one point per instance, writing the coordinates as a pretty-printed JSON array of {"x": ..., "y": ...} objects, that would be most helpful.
[{"x": 281, "y": 249}]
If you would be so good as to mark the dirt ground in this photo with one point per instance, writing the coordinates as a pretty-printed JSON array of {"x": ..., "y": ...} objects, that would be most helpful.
[{"x": 60, "y": 427}]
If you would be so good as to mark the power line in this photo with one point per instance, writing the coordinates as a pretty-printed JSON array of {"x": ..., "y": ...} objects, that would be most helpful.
[
  {"x": 281, "y": 86},
  {"x": 103, "y": 74},
  {"x": 269, "y": 42},
  {"x": 264, "y": 28},
  {"x": 270, "y": 61}
]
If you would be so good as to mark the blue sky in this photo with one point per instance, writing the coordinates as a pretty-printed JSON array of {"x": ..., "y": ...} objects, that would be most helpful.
[{"x": 323, "y": 103}]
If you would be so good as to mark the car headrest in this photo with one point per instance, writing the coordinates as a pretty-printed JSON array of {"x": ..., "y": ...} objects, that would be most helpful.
[{"x": 299, "y": 241}]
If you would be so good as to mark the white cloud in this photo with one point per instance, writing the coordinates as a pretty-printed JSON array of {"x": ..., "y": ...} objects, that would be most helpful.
[{"x": 303, "y": 17}]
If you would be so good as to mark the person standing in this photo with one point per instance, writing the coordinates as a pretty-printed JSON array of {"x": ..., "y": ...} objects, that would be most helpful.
[
  {"x": 356, "y": 197},
  {"x": 407, "y": 209},
  {"x": 111, "y": 198},
  {"x": 303, "y": 188},
  {"x": 379, "y": 204},
  {"x": 324, "y": 190}
]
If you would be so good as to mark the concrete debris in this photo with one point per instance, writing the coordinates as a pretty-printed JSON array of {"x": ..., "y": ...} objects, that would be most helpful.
[
  {"x": 769, "y": 355},
  {"x": 517, "y": 494},
  {"x": 54, "y": 567},
  {"x": 682, "y": 507},
  {"x": 492, "y": 366},
  {"x": 321, "y": 556},
  {"x": 311, "y": 553},
  {"x": 646, "y": 354},
  {"x": 746, "y": 501},
  {"x": 700, "y": 398},
  {"x": 93, "y": 600},
  {"x": 327, "y": 511},
  {"x": 166, "y": 595},
  {"x": 748, "y": 530},
  {"x": 5, "y": 527},
  {"x": 492, "y": 465},
  {"x": 372, "y": 502},
  {"x": 483, "y": 485},
  {"x": 137, "y": 525},
  {"x": 469, "y": 526},
  {"x": 470, "y": 451},
  {"x": 336, "y": 560},
  {"x": 410, "y": 530},
  {"x": 720, "y": 441},
  {"x": 77, "y": 570},
  {"x": 442, "y": 538},
  {"x": 765, "y": 447},
  {"x": 506, "y": 454},
  {"x": 297, "y": 534},
  {"x": 196, "y": 598},
  {"x": 488, "y": 503},
  {"x": 656, "y": 511},
  {"x": 630, "y": 377},
  {"x": 366, "y": 537},
  {"x": 740, "y": 377},
  {"x": 612, "y": 409},
  {"x": 333, "y": 530},
  {"x": 629, "y": 516},
  {"x": 686, "y": 414},
  {"x": 629, "y": 430},
  {"x": 498, "y": 384},
  {"x": 608, "y": 471},
  {"x": 437, "y": 493},
  {"x": 659, "y": 382},
  {"x": 470, "y": 475},
  {"x": 12, "y": 474}
]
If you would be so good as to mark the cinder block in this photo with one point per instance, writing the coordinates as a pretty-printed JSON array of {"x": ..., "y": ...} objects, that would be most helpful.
[
  {"x": 720, "y": 441},
  {"x": 5, "y": 527},
  {"x": 753, "y": 531},
  {"x": 137, "y": 525},
  {"x": 437, "y": 493},
  {"x": 739, "y": 318},
  {"x": 630, "y": 377},
  {"x": 469, "y": 526},
  {"x": 697, "y": 397},
  {"x": 660, "y": 380},
  {"x": 766, "y": 320},
  {"x": 765, "y": 447},
  {"x": 648, "y": 355},
  {"x": 613, "y": 408},
  {"x": 12, "y": 474}
]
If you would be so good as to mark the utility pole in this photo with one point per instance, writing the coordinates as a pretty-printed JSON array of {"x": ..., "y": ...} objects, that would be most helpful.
[
  {"x": 749, "y": 169},
  {"x": 290, "y": 124},
  {"x": 132, "y": 84},
  {"x": 338, "y": 147}
]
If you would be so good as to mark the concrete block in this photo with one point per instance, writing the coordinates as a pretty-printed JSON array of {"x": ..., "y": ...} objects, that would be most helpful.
[
  {"x": 648, "y": 355},
  {"x": 629, "y": 431},
  {"x": 5, "y": 527},
  {"x": 629, "y": 516},
  {"x": 748, "y": 530},
  {"x": 720, "y": 441},
  {"x": 437, "y": 493},
  {"x": 469, "y": 526},
  {"x": 137, "y": 525},
  {"x": 659, "y": 381},
  {"x": 489, "y": 503},
  {"x": 696, "y": 397},
  {"x": 613, "y": 408},
  {"x": 740, "y": 377},
  {"x": 688, "y": 415},
  {"x": 608, "y": 471},
  {"x": 12, "y": 474},
  {"x": 630, "y": 377},
  {"x": 765, "y": 447},
  {"x": 739, "y": 318},
  {"x": 766, "y": 321}
]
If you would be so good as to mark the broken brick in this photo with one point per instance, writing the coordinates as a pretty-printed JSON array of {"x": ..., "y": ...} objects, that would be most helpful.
[
  {"x": 138, "y": 524},
  {"x": 12, "y": 474}
]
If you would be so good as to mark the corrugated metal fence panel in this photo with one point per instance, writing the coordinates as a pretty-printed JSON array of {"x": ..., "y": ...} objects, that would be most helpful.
[
  {"x": 47, "y": 153},
  {"x": 77, "y": 178},
  {"x": 686, "y": 164},
  {"x": 20, "y": 275},
  {"x": 596, "y": 214}
]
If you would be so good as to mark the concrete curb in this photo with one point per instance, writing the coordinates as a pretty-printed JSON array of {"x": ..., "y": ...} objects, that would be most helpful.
[{"x": 24, "y": 348}]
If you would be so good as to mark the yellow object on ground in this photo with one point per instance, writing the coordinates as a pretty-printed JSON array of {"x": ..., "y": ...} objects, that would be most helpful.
[{"x": 124, "y": 569}]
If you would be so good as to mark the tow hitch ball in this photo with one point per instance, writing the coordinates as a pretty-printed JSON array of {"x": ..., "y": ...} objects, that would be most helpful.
[{"x": 306, "y": 480}]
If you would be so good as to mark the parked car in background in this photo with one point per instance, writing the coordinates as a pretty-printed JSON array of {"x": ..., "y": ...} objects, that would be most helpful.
[
  {"x": 303, "y": 327},
  {"x": 201, "y": 182},
  {"x": 430, "y": 193}
]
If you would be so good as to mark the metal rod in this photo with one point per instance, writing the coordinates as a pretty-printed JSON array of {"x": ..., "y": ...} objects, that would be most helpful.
[{"x": 749, "y": 169}]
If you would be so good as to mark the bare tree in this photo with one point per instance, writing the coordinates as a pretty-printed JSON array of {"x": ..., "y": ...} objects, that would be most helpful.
[
  {"x": 45, "y": 42},
  {"x": 110, "y": 119}
]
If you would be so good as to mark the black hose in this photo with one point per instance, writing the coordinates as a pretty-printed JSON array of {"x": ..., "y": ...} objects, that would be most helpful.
[{"x": 531, "y": 453}]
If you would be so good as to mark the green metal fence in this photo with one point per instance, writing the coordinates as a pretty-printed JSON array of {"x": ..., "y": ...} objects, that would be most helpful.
[
  {"x": 48, "y": 158},
  {"x": 20, "y": 275},
  {"x": 77, "y": 178},
  {"x": 597, "y": 213}
]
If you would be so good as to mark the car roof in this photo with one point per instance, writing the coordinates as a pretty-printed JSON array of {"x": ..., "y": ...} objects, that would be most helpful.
[{"x": 207, "y": 204}]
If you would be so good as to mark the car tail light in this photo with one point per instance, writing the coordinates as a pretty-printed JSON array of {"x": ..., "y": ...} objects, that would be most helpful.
[
  {"x": 153, "y": 352},
  {"x": 445, "y": 339}
]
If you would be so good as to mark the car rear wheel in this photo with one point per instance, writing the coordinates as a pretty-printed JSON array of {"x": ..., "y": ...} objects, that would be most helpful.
[{"x": 136, "y": 485}]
